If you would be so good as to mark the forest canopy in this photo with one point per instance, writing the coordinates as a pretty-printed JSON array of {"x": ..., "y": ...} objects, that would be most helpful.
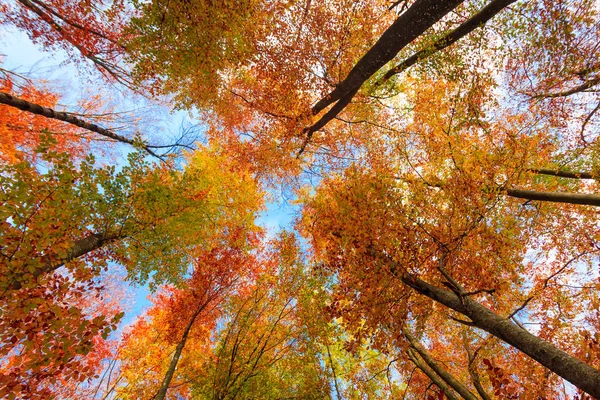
[{"x": 441, "y": 158}]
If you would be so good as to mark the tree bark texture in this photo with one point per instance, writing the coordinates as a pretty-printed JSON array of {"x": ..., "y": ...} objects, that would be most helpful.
[
  {"x": 164, "y": 386},
  {"x": 439, "y": 382},
  {"x": 556, "y": 197},
  {"x": 420, "y": 16},
  {"x": 564, "y": 365}
]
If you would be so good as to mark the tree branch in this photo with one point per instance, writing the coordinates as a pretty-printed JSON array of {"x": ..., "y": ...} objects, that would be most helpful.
[
  {"x": 568, "y": 367},
  {"x": 562, "y": 173},
  {"x": 33, "y": 108},
  {"x": 556, "y": 197},
  {"x": 79, "y": 248},
  {"x": 445, "y": 375},
  {"x": 414, "y": 357}
]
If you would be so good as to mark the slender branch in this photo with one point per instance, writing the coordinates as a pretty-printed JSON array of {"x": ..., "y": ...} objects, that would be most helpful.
[
  {"x": 107, "y": 68},
  {"x": 337, "y": 389},
  {"x": 324, "y": 120},
  {"x": 586, "y": 121},
  {"x": 162, "y": 391},
  {"x": 31, "y": 5},
  {"x": 473, "y": 370},
  {"x": 577, "y": 89},
  {"x": 546, "y": 283}
]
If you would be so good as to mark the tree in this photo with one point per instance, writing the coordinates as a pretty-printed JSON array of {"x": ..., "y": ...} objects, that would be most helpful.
[
  {"x": 231, "y": 298},
  {"x": 282, "y": 126},
  {"x": 62, "y": 227},
  {"x": 215, "y": 275},
  {"x": 267, "y": 339},
  {"x": 264, "y": 348},
  {"x": 357, "y": 226},
  {"x": 180, "y": 316},
  {"x": 445, "y": 142}
]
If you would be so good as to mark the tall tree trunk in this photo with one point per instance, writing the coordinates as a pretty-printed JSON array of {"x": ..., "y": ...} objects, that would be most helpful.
[
  {"x": 80, "y": 248},
  {"x": 419, "y": 17},
  {"x": 556, "y": 197},
  {"x": 324, "y": 120},
  {"x": 164, "y": 386},
  {"x": 564, "y": 365},
  {"x": 445, "y": 375},
  {"x": 439, "y": 382},
  {"x": 476, "y": 21}
]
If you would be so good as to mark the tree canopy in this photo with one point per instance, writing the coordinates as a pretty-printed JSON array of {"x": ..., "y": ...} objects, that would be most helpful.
[{"x": 442, "y": 158}]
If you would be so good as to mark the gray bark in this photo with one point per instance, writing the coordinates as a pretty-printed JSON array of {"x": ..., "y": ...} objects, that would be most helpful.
[
  {"x": 556, "y": 197},
  {"x": 439, "y": 382},
  {"x": 564, "y": 365},
  {"x": 164, "y": 386}
]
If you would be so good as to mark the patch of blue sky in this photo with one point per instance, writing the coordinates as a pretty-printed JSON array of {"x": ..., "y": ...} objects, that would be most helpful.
[
  {"x": 132, "y": 114},
  {"x": 279, "y": 215},
  {"x": 19, "y": 54}
]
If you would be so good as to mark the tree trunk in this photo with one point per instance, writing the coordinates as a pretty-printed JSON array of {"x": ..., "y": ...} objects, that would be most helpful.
[
  {"x": 420, "y": 16},
  {"x": 164, "y": 386},
  {"x": 80, "y": 248},
  {"x": 564, "y": 365},
  {"x": 556, "y": 197},
  {"x": 439, "y": 382},
  {"x": 476, "y": 21},
  {"x": 445, "y": 375},
  {"x": 562, "y": 174},
  {"x": 475, "y": 375}
]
